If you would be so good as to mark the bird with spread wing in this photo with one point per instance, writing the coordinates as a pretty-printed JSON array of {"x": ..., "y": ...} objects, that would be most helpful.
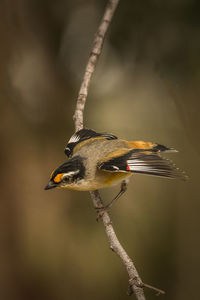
[{"x": 99, "y": 160}]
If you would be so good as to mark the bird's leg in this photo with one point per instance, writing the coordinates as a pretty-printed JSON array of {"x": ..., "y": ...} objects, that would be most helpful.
[{"x": 121, "y": 192}]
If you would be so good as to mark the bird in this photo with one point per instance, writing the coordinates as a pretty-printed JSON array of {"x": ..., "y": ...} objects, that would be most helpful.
[{"x": 100, "y": 160}]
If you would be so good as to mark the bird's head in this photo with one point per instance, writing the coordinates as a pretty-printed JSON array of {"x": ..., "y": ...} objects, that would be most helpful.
[{"x": 67, "y": 174}]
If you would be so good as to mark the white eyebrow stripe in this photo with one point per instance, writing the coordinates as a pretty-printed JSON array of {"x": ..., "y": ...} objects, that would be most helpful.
[
  {"x": 75, "y": 138},
  {"x": 67, "y": 148},
  {"x": 69, "y": 174}
]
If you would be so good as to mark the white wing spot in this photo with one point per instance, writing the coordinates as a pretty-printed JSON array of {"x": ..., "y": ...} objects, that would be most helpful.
[
  {"x": 115, "y": 167},
  {"x": 75, "y": 138}
]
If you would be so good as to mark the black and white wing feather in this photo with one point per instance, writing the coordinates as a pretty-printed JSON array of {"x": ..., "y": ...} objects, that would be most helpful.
[{"x": 143, "y": 163}]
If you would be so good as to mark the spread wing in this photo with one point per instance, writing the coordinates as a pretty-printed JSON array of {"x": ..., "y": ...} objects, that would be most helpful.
[
  {"x": 82, "y": 135},
  {"x": 139, "y": 161}
]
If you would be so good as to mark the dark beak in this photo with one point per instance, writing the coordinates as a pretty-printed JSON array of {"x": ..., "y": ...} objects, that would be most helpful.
[{"x": 50, "y": 185}]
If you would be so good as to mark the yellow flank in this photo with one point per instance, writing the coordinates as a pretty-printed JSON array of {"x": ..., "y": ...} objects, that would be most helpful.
[
  {"x": 140, "y": 145},
  {"x": 113, "y": 177},
  {"x": 58, "y": 177}
]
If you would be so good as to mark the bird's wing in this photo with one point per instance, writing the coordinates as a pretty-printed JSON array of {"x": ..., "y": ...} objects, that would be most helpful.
[
  {"x": 143, "y": 161},
  {"x": 83, "y": 135}
]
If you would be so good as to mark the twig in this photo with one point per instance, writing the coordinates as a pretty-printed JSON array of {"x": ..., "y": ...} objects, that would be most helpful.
[
  {"x": 90, "y": 67},
  {"x": 135, "y": 283}
]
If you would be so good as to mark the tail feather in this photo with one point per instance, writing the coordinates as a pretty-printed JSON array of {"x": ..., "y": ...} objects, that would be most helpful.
[{"x": 161, "y": 148}]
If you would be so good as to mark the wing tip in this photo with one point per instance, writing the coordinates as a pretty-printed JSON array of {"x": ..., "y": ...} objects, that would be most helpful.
[
  {"x": 154, "y": 164},
  {"x": 182, "y": 175}
]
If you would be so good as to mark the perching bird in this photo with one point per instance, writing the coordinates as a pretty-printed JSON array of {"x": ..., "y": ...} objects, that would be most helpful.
[{"x": 99, "y": 160}]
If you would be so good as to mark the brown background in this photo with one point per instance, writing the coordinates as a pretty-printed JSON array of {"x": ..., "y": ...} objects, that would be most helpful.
[{"x": 146, "y": 87}]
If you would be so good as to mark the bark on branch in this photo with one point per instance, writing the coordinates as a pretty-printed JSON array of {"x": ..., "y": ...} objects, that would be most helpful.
[
  {"x": 90, "y": 67},
  {"x": 135, "y": 283}
]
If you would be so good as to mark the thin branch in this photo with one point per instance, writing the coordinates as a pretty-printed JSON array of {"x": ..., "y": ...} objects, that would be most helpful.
[
  {"x": 135, "y": 283},
  {"x": 90, "y": 67}
]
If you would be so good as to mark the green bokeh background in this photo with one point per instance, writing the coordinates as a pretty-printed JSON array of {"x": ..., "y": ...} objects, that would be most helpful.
[{"x": 146, "y": 87}]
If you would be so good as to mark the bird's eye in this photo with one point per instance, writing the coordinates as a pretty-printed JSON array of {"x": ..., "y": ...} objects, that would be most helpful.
[{"x": 65, "y": 179}]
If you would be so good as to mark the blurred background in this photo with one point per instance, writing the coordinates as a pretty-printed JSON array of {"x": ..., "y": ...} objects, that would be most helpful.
[{"x": 146, "y": 87}]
